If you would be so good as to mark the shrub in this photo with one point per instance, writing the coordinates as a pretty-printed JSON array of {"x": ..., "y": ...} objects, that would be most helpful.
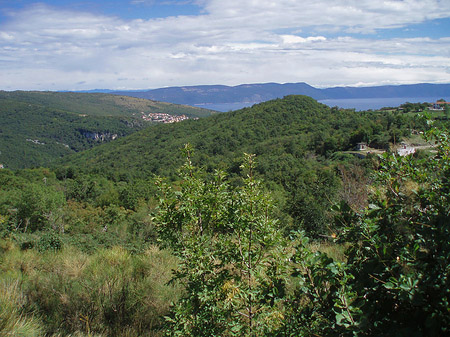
[{"x": 49, "y": 241}]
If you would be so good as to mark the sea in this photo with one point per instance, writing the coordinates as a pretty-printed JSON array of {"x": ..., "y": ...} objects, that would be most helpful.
[{"x": 359, "y": 104}]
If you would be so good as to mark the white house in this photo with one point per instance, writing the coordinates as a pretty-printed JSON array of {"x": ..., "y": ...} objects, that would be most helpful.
[
  {"x": 361, "y": 146},
  {"x": 405, "y": 149}
]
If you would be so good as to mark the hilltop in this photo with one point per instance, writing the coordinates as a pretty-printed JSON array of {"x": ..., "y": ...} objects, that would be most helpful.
[
  {"x": 216, "y": 138},
  {"x": 100, "y": 104},
  {"x": 292, "y": 127}
]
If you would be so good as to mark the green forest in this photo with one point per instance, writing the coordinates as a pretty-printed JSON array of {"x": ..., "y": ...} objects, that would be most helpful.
[{"x": 264, "y": 221}]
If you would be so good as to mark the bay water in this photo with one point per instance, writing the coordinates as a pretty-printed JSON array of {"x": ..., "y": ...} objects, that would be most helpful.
[{"x": 358, "y": 104}]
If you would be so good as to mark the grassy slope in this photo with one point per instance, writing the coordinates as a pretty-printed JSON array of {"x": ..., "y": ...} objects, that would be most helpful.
[{"x": 100, "y": 104}]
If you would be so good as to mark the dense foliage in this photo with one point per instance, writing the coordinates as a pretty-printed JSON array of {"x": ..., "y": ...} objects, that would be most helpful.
[
  {"x": 401, "y": 261},
  {"x": 84, "y": 210},
  {"x": 250, "y": 245},
  {"x": 394, "y": 279},
  {"x": 298, "y": 142}
]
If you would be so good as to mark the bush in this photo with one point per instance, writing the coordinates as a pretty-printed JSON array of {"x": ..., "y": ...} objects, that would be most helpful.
[{"x": 49, "y": 241}]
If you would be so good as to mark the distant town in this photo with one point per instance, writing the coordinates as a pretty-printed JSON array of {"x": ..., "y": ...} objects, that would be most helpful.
[{"x": 163, "y": 117}]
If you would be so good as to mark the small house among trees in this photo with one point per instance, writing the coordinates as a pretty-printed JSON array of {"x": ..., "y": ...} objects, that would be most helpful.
[
  {"x": 361, "y": 146},
  {"x": 440, "y": 105}
]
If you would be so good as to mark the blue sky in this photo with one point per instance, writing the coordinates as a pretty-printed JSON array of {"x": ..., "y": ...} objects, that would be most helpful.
[
  {"x": 144, "y": 44},
  {"x": 137, "y": 9}
]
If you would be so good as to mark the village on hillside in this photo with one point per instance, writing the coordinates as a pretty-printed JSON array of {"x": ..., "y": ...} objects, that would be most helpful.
[{"x": 163, "y": 117}]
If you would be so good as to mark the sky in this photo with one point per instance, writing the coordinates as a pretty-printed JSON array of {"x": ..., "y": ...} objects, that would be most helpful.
[{"x": 148, "y": 44}]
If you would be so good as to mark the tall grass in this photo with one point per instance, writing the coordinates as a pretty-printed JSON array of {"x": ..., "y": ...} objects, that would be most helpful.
[
  {"x": 334, "y": 250},
  {"x": 108, "y": 293},
  {"x": 13, "y": 320}
]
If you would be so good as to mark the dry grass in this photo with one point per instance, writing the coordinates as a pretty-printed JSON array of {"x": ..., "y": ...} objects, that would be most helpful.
[
  {"x": 333, "y": 250},
  {"x": 120, "y": 293},
  {"x": 13, "y": 321}
]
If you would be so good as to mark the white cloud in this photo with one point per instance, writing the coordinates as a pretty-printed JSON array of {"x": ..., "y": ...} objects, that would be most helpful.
[
  {"x": 292, "y": 39},
  {"x": 233, "y": 42},
  {"x": 363, "y": 15}
]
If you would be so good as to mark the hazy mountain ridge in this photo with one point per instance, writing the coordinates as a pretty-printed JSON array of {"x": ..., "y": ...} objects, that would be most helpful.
[
  {"x": 256, "y": 93},
  {"x": 388, "y": 91}
]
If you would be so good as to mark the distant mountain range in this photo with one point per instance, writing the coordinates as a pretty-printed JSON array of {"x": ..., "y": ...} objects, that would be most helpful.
[{"x": 256, "y": 93}]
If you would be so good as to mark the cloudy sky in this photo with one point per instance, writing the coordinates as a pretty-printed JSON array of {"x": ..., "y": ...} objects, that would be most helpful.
[{"x": 145, "y": 44}]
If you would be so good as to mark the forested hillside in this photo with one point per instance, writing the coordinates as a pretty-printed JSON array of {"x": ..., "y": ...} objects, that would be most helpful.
[
  {"x": 261, "y": 222},
  {"x": 300, "y": 145},
  {"x": 38, "y": 127},
  {"x": 293, "y": 128}
]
